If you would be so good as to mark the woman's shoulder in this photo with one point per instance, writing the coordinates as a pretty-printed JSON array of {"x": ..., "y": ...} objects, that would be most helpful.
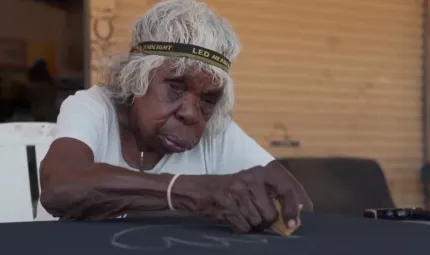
[
  {"x": 232, "y": 140},
  {"x": 229, "y": 133},
  {"x": 230, "y": 130},
  {"x": 95, "y": 99},
  {"x": 95, "y": 94},
  {"x": 87, "y": 116}
]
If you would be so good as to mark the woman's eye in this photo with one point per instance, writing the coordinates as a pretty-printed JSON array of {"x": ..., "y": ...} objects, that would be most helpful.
[
  {"x": 210, "y": 101},
  {"x": 207, "y": 106},
  {"x": 176, "y": 88}
]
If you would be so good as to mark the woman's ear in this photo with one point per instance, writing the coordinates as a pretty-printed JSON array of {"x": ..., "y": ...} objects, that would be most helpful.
[
  {"x": 134, "y": 49},
  {"x": 129, "y": 100}
]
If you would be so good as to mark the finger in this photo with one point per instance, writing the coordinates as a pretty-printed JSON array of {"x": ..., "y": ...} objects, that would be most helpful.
[
  {"x": 286, "y": 228},
  {"x": 210, "y": 211},
  {"x": 228, "y": 210},
  {"x": 289, "y": 207},
  {"x": 235, "y": 216},
  {"x": 217, "y": 215},
  {"x": 299, "y": 210},
  {"x": 222, "y": 204},
  {"x": 303, "y": 198},
  {"x": 238, "y": 222},
  {"x": 308, "y": 205},
  {"x": 264, "y": 205},
  {"x": 249, "y": 211}
]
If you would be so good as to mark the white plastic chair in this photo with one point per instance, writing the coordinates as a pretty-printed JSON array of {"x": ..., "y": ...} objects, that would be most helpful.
[{"x": 16, "y": 203}]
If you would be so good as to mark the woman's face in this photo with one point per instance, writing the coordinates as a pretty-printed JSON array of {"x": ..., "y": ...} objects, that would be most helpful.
[{"x": 171, "y": 117}]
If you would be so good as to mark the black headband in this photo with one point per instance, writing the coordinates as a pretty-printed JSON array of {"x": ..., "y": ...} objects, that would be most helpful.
[{"x": 186, "y": 50}]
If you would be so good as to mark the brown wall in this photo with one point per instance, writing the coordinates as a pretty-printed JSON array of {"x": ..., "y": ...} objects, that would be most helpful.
[
  {"x": 72, "y": 50},
  {"x": 344, "y": 76},
  {"x": 25, "y": 20},
  {"x": 39, "y": 26},
  {"x": 52, "y": 33}
]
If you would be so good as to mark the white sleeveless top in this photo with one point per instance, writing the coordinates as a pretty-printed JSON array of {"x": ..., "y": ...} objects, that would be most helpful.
[{"x": 89, "y": 116}]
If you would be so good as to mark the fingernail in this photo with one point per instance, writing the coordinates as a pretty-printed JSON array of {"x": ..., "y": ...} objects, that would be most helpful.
[{"x": 291, "y": 224}]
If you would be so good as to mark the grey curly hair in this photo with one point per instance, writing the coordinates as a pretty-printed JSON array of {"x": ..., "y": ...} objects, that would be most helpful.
[{"x": 183, "y": 21}]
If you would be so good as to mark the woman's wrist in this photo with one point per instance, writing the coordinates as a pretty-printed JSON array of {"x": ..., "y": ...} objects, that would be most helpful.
[{"x": 192, "y": 193}]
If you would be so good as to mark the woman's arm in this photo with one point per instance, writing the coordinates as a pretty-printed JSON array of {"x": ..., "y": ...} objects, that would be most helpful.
[{"x": 74, "y": 187}]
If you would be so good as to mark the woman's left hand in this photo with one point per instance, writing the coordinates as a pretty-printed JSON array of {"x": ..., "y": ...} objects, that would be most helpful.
[
  {"x": 246, "y": 199},
  {"x": 280, "y": 181}
]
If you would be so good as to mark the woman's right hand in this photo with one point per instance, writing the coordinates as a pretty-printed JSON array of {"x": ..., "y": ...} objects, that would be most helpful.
[{"x": 245, "y": 199}]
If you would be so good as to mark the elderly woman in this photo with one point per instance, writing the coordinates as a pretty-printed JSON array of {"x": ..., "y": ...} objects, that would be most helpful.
[{"x": 158, "y": 134}]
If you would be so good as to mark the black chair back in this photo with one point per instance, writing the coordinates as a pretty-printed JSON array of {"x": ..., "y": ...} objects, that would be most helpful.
[
  {"x": 425, "y": 180},
  {"x": 341, "y": 185}
]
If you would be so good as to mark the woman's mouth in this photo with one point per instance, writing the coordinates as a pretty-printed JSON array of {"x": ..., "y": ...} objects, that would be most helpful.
[{"x": 173, "y": 146}]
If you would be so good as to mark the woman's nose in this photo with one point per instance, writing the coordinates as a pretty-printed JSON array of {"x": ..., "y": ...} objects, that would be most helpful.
[{"x": 189, "y": 111}]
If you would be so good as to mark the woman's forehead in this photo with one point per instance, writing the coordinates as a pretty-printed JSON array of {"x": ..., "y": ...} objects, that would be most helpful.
[{"x": 191, "y": 76}]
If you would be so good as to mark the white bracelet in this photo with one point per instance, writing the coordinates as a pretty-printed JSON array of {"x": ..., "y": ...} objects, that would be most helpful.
[{"x": 169, "y": 191}]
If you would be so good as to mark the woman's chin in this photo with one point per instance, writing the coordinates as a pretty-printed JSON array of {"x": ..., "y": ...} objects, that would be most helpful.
[{"x": 170, "y": 146}]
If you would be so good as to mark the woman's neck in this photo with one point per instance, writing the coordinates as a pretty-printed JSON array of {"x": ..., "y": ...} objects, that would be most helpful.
[{"x": 132, "y": 145}]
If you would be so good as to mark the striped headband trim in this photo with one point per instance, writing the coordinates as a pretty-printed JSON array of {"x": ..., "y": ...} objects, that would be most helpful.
[{"x": 186, "y": 50}]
